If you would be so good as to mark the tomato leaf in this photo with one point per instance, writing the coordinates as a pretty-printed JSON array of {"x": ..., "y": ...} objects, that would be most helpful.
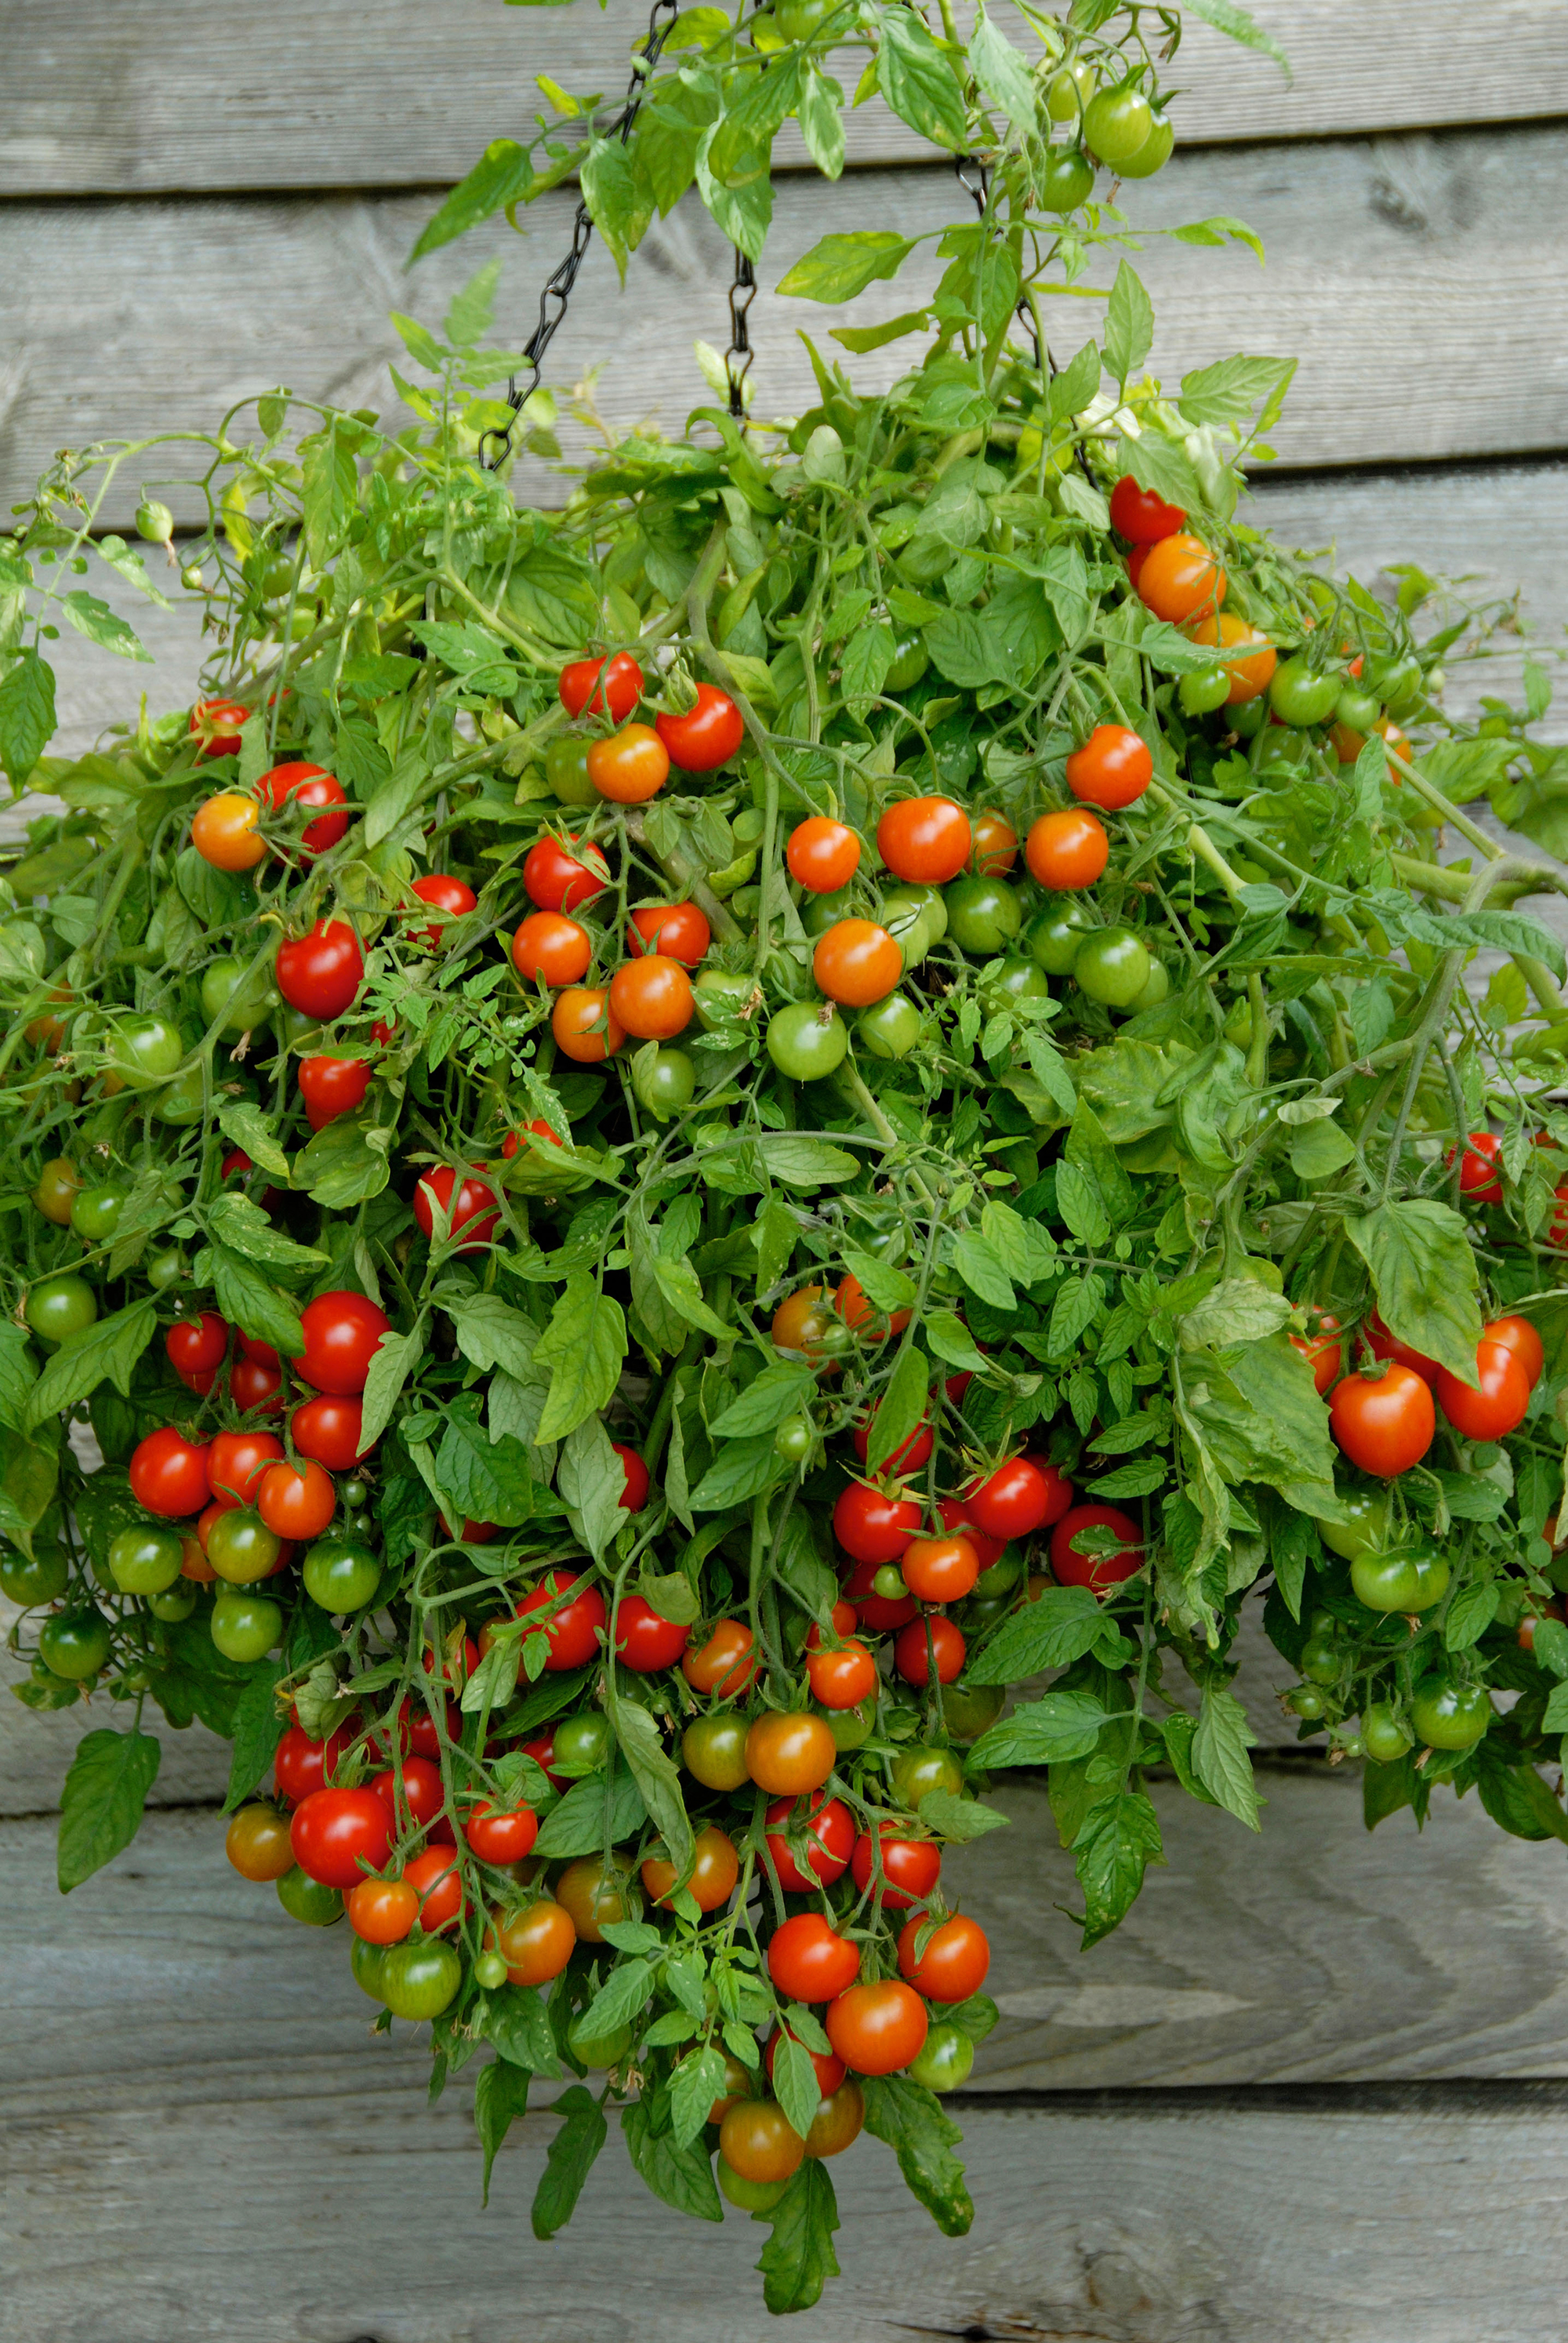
[
  {"x": 27, "y": 714},
  {"x": 914, "y": 2125},
  {"x": 591, "y": 1479},
  {"x": 1220, "y": 1758},
  {"x": 109, "y": 1348},
  {"x": 839, "y": 266},
  {"x": 579, "y": 1825},
  {"x": 742, "y": 1469},
  {"x": 102, "y": 1803},
  {"x": 249, "y": 1301},
  {"x": 679, "y": 1284},
  {"x": 960, "y": 1820},
  {"x": 678, "y": 2170},
  {"x": 694, "y": 2085},
  {"x": 252, "y": 1130},
  {"x": 391, "y": 1363},
  {"x": 917, "y": 80},
  {"x": 798, "y": 2259},
  {"x": 1060, "y": 1627},
  {"x": 500, "y": 2095},
  {"x": 1129, "y": 325},
  {"x": 1470, "y": 1613},
  {"x": 1228, "y": 18},
  {"x": 779, "y": 1392},
  {"x": 258, "y": 1730},
  {"x": 236, "y": 1221},
  {"x": 491, "y": 1333},
  {"x": 584, "y": 1345},
  {"x": 346, "y": 1164},
  {"x": 656, "y": 1775},
  {"x": 1517, "y": 1798},
  {"x": 1044, "y": 1732},
  {"x": 569, "y": 2160},
  {"x": 795, "y": 2084},
  {"x": 1425, "y": 1276},
  {"x": 901, "y": 1409},
  {"x": 1119, "y": 1837},
  {"x": 485, "y": 1480},
  {"x": 499, "y": 177}
]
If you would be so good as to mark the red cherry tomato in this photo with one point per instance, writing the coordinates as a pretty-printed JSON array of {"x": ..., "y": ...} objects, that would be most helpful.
[
  {"x": 319, "y": 973},
  {"x": 857, "y": 964},
  {"x": 297, "y": 1504},
  {"x": 1501, "y": 1402},
  {"x": 948, "y": 1649},
  {"x": 844, "y": 1677},
  {"x": 1058, "y": 1491},
  {"x": 216, "y": 723},
  {"x": 585, "y": 1029},
  {"x": 1113, "y": 769},
  {"x": 1385, "y": 1426},
  {"x": 940, "y": 1569},
  {"x": 500, "y": 1833},
  {"x": 556, "y": 881},
  {"x": 423, "y": 1794},
  {"x": 810, "y": 1961},
  {"x": 443, "y": 894},
  {"x": 474, "y": 1217},
  {"x": 1100, "y": 1571},
  {"x": 343, "y": 1332},
  {"x": 1011, "y": 1502},
  {"x": 168, "y": 1474},
  {"x": 308, "y": 784},
  {"x": 635, "y": 1495},
  {"x": 198, "y": 1347},
  {"x": 1067, "y": 850},
  {"x": 438, "y": 1883},
  {"x": 328, "y": 1428},
  {"x": 238, "y": 1463},
  {"x": 338, "y": 1834},
  {"x": 878, "y": 2028},
  {"x": 708, "y": 736},
  {"x": 1139, "y": 514},
  {"x": 573, "y": 1632},
  {"x": 600, "y": 686},
  {"x": 955, "y": 1962},
  {"x": 1384, "y": 1346},
  {"x": 953, "y": 1516},
  {"x": 652, "y": 998},
  {"x": 1478, "y": 1171},
  {"x": 251, "y": 1385},
  {"x": 925, "y": 840},
  {"x": 543, "y": 1753},
  {"x": 910, "y": 1866},
  {"x": 551, "y": 949},
  {"x": 1518, "y": 1335},
  {"x": 300, "y": 1765},
  {"x": 331, "y": 1087},
  {"x": 872, "y": 1527},
  {"x": 822, "y": 855},
  {"x": 830, "y": 1825},
  {"x": 1323, "y": 1351},
  {"x": 643, "y": 1640}
]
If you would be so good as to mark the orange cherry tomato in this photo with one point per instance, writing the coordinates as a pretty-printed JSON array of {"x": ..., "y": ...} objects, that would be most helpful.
[
  {"x": 842, "y": 1678},
  {"x": 678, "y": 930},
  {"x": 298, "y": 1502},
  {"x": 1113, "y": 769},
  {"x": 802, "y": 1320},
  {"x": 630, "y": 767},
  {"x": 925, "y": 841},
  {"x": 1067, "y": 850},
  {"x": 258, "y": 1843},
  {"x": 1252, "y": 670},
  {"x": 1180, "y": 578},
  {"x": 1515, "y": 1334},
  {"x": 995, "y": 848},
  {"x": 383, "y": 1911},
  {"x": 861, "y": 1315},
  {"x": 878, "y": 2028},
  {"x": 940, "y": 1569},
  {"x": 790, "y": 1752},
  {"x": 714, "y": 1872},
  {"x": 724, "y": 1662},
  {"x": 551, "y": 948},
  {"x": 585, "y": 1029},
  {"x": 822, "y": 855},
  {"x": 535, "y": 1943},
  {"x": 224, "y": 832},
  {"x": 857, "y": 964},
  {"x": 758, "y": 2142},
  {"x": 651, "y": 998}
]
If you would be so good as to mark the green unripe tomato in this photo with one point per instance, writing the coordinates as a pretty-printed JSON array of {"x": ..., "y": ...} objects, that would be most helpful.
[
  {"x": 1054, "y": 935},
  {"x": 597, "y": 2050},
  {"x": 1004, "y": 1572},
  {"x": 354, "y": 1493},
  {"x": 566, "y": 769},
  {"x": 666, "y": 1085},
  {"x": 795, "y": 1439},
  {"x": 1367, "y": 1528},
  {"x": 1070, "y": 90},
  {"x": 1386, "y": 1735},
  {"x": 889, "y": 1028},
  {"x": 984, "y": 915},
  {"x": 41, "y": 1579},
  {"x": 155, "y": 522},
  {"x": 363, "y": 1524},
  {"x": 420, "y": 1977},
  {"x": 851, "y": 1728},
  {"x": 1398, "y": 682},
  {"x": 916, "y": 1771},
  {"x": 340, "y": 1576},
  {"x": 491, "y": 1971},
  {"x": 1308, "y": 1702},
  {"x": 1249, "y": 716},
  {"x": 1281, "y": 754},
  {"x": 1297, "y": 695},
  {"x": 165, "y": 1269},
  {"x": 1016, "y": 980},
  {"x": 1155, "y": 150},
  {"x": 887, "y": 1584},
  {"x": 191, "y": 577},
  {"x": 748, "y": 2195},
  {"x": 241, "y": 1002},
  {"x": 297, "y": 1031},
  {"x": 797, "y": 19},
  {"x": 1357, "y": 708},
  {"x": 807, "y": 1041},
  {"x": 1450, "y": 1715},
  {"x": 145, "y": 1051},
  {"x": 911, "y": 660},
  {"x": 175, "y": 1603},
  {"x": 245, "y": 1626},
  {"x": 1202, "y": 693},
  {"x": 824, "y": 911},
  {"x": 95, "y": 1215},
  {"x": 583, "y": 1742},
  {"x": 367, "y": 1963},
  {"x": 241, "y": 1548},
  {"x": 719, "y": 998},
  {"x": 1111, "y": 966},
  {"x": 946, "y": 2059},
  {"x": 74, "y": 1645},
  {"x": 61, "y": 1306},
  {"x": 1116, "y": 123},
  {"x": 146, "y": 1561},
  {"x": 304, "y": 1898},
  {"x": 967, "y": 1709},
  {"x": 1320, "y": 1660},
  {"x": 1155, "y": 990},
  {"x": 183, "y": 1099},
  {"x": 1067, "y": 181}
]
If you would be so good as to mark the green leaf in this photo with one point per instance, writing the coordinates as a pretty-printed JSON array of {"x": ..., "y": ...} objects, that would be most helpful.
[
  {"x": 484, "y": 1480},
  {"x": 1261, "y": 1415},
  {"x": 742, "y": 1469},
  {"x": 579, "y": 1825},
  {"x": 1220, "y": 1758},
  {"x": 329, "y": 495},
  {"x": 93, "y": 618},
  {"x": 467, "y": 320},
  {"x": 682, "y": 1289},
  {"x": 127, "y": 562},
  {"x": 1424, "y": 1274},
  {"x": 1129, "y": 325},
  {"x": 250, "y": 1302},
  {"x": 1060, "y": 1627},
  {"x": 500, "y": 2095},
  {"x": 979, "y": 1265},
  {"x": 918, "y": 82},
  {"x": 951, "y": 1341},
  {"x": 109, "y": 1348},
  {"x": 959, "y": 1819},
  {"x": 248, "y": 1128},
  {"x": 885, "y": 1287},
  {"x": 584, "y": 1345},
  {"x": 499, "y": 177},
  {"x": 678, "y": 2170},
  {"x": 901, "y": 1409},
  {"x": 102, "y": 1802},
  {"x": 1319, "y": 1151},
  {"x": 1000, "y": 72},
  {"x": 839, "y": 266},
  {"x": 798, "y": 2257},
  {"x": 655, "y": 1773},
  {"x": 1518, "y": 1800},
  {"x": 491, "y": 1333},
  {"x": 27, "y": 714},
  {"x": 1237, "y": 1310},
  {"x": 1470, "y": 1613},
  {"x": 795, "y": 2084},
  {"x": 912, "y": 2123},
  {"x": 1228, "y": 392},
  {"x": 619, "y": 1999},
  {"x": 591, "y": 1479},
  {"x": 1120, "y": 1836},
  {"x": 1227, "y": 17},
  {"x": 804, "y": 1162},
  {"x": 1045, "y": 1732},
  {"x": 694, "y": 2085},
  {"x": 779, "y": 1392},
  {"x": 1157, "y": 463},
  {"x": 342, "y": 1166},
  {"x": 258, "y": 1730},
  {"x": 875, "y": 337},
  {"x": 569, "y": 2160},
  {"x": 242, "y": 1225},
  {"x": 819, "y": 112},
  {"x": 392, "y": 1361}
]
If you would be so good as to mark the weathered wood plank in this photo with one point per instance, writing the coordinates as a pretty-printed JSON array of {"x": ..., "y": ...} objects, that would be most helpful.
[
  {"x": 160, "y": 314},
  {"x": 178, "y": 94}
]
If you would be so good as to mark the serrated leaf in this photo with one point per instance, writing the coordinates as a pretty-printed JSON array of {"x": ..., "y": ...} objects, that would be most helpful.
[
  {"x": 779, "y": 1392},
  {"x": 103, "y": 1799},
  {"x": 655, "y": 1774},
  {"x": 569, "y": 2160},
  {"x": 901, "y": 1409},
  {"x": 584, "y": 1345},
  {"x": 1220, "y": 1758},
  {"x": 959, "y": 1819},
  {"x": 500, "y": 2096},
  {"x": 106, "y": 1352},
  {"x": 1049, "y": 1731}
]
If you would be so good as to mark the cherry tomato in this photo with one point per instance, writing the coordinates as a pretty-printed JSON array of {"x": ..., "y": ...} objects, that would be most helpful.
[
  {"x": 539, "y": 1129},
  {"x": 1058, "y": 1495},
  {"x": 383, "y": 1911},
  {"x": 708, "y": 736},
  {"x": 297, "y": 1504},
  {"x": 573, "y": 1632},
  {"x": 443, "y": 894},
  {"x": 1478, "y": 1171},
  {"x": 331, "y": 1087},
  {"x": 1011, "y": 1502},
  {"x": 549, "y": 948},
  {"x": 873, "y": 1527},
  {"x": 878, "y": 2028},
  {"x": 633, "y": 1496},
  {"x": 500, "y": 1833},
  {"x": 677, "y": 931},
  {"x": 630, "y": 767},
  {"x": 1140, "y": 516},
  {"x": 337, "y": 1834},
  {"x": 809, "y": 1961},
  {"x": 535, "y": 1943},
  {"x": 1518, "y": 1335},
  {"x": 1384, "y": 1426},
  {"x": 713, "y": 1749},
  {"x": 1251, "y": 663},
  {"x": 421, "y": 1797},
  {"x": 343, "y": 1332},
  {"x": 803, "y": 1323},
  {"x": 873, "y": 1610},
  {"x": 828, "y": 2068},
  {"x": 651, "y": 998},
  {"x": 1450, "y": 1715},
  {"x": 838, "y": 2122},
  {"x": 808, "y": 1041},
  {"x": 595, "y": 1892},
  {"x": 214, "y": 725},
  {"x": 226, "y": 832},
  {"x": 300, "y": 1765},
  {"x": 1113, "y": 769},
  {"x": 925, "y": 840},
  {"x": 198, "y": 1347},
  {"x": 643, "y": 1641},
  {"x": 843, "y": 1678},
  {"x": 1501, "y": 1402},
  {"x": 1180, "y": 578},
  {"x": 238, "y": 1461},
  {"x": 857, "y": 962},
  {"x": 1099, "y": 1571},
  {"x": 611, "y": 687},
  {"x": 714, "y": 1873},
  {"x": 758, "y": 2143},
  {"x": 822, "y": 855},
  {"x": 829, "y": 1824},
  {"x": 995, "y": 845},
  {"x": 1384, "y": 1346},
  {"x": 258, "y": 1843},
  {"x": 954, "y": 1964},
  {"x": 474, "y": 1217},
  {"x": 788, "y": 1753},
  {"x": 861, "y": 1315},
  {"x": 1067, "y": 850},
  {"x": 585, "y": 1029},
  {"x": 556, "y": 881},
  {"x": 438, "y": 1882},
  {"x": 947, "y": 1648},
  {"x": 910, "y": 1866},
  {"x": 320, "y": 972},
  {"x": 328, "y": 1428},
  {"x": 168, "y": 1474},
  {"x": 308, "y": 784},
  {"x": 724, "y": 1662},
  {"x": 1323, "y": 1351},
  {"x": 940, "y": 1569},
  {"x": 904, "y": 1461}
]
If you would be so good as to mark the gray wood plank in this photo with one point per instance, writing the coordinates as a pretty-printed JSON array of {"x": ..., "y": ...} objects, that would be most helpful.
[
  {"x": 162, "y": 313},
  {"x": 207, "y": 95}
]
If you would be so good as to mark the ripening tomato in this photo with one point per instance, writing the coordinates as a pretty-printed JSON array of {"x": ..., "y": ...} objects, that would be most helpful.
[
  {"x": 829, "y": 1824},
  {"x": 1323, "y": 1351},
  {"x": 343, "y": 1332},
  {"x": 295, "y": 1504},
  {"x": 320, "y": 972},
  {"x": 706, "y": 736},
  {"x": 643, "y": 1641},
  {"x": 601, "y": 687},
  {"x": 822, "y": 855},
  {"x": 548, "y": 948},
  {"x": 197, "y": 1348},
  {"x": 714, "y": 1872},
  {"x": 994, "y": 847},
  {"x": 338, "y": 1834},
  {"x": 861, "y": 1315},
  {"x": 856, "y": 964},
  {"x": 829, "y": 2069},
  {"x": 328, "y": 1428},
  {"x": 1140, "y": 516},
  {"x": 915, "y": 1452},
  {"x": 438, "y": 1883},
  {"x": 790, "y": 1752},
  {"x": 1478, "y": 1171},
  {"x": 168, "y": 1474},
  {"x": 214, "y": 725},
  {"x": 677, "y": 931},
  {"x": 473, "y": 1214},
  {"x": 572, "y": 1633},
  {"x": 421, "y": 1797},
  {"x": 910, "y": 1866},
  {"x": 238, "y": 1461},
  {"x": 535, "y": 1943},
  {"x": 842, "y": 1678},
  {"x": 584, "y": 1027},
  {"x": 630, "y": 767},
  {"x": 925, "y": 840},
  {"x": 803, "y": 1322},
  {"x": 500, "y": 1833},
  {"x": 1498, "y": 1405},
  {"x": 383, "y": 1911},
  {"x": 1518, "y": 1335},
  {"x": 1102, "y": 1572},
  {"x": 331, "y": 1087},
  {"x": 226, "y": 832},
  {"x": 724, "y": 1662},
  {"x": 1011, "y": 1501},
  {"x": 651, "y": 998},
  {"x": 1180, "y": 578},
  {"x": 1067, "y": 850},
  {"x": 954, "y": 1964},
  {"x": 809, "y": 1961},
  {"x": 940, "y": 1569},
  {"x": 443, "y": 893},
  {"x": 758, "y": 2145},
  {"x": 1249, "y": 666},
  {"x": 300, "y": 1765},
  {"x": 556, "y": 881},
  {"x": 1385, "y": 1425},
  {"x": 879, "y": 1614},
  {"x": 308, "y": 784},
  {"x": 954, "y": 1515},
  {"x": 1113, "y": 769},
  {"x": 871, "y": 1526},
  {"x": 1384, "y": 1346},
  {"x": 257, "y": 1843},
  {"x": 878, "y": 2028},
  {"x": 928, "y": 1642}
]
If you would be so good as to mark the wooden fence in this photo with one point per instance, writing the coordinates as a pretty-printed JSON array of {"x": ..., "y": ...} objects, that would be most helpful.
[{"x": 1306, "y": 2094}]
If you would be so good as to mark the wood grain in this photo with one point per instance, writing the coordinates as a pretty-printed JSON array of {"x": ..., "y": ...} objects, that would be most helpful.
[
  {"x": 135, "y": 317},
  {"x": 210, "y": 95}
]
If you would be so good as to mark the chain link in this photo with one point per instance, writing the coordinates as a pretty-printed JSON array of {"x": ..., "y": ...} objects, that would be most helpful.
[
  {"x": 738, "y": 358},
  {"x": 558, "y": 286}
]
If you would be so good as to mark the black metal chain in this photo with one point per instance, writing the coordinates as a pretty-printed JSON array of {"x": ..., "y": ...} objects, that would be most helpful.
[
  {"x": 738, "y": 358},
  {"x": 975, "y": 181},
  {"x": 557, "y": 288}
]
